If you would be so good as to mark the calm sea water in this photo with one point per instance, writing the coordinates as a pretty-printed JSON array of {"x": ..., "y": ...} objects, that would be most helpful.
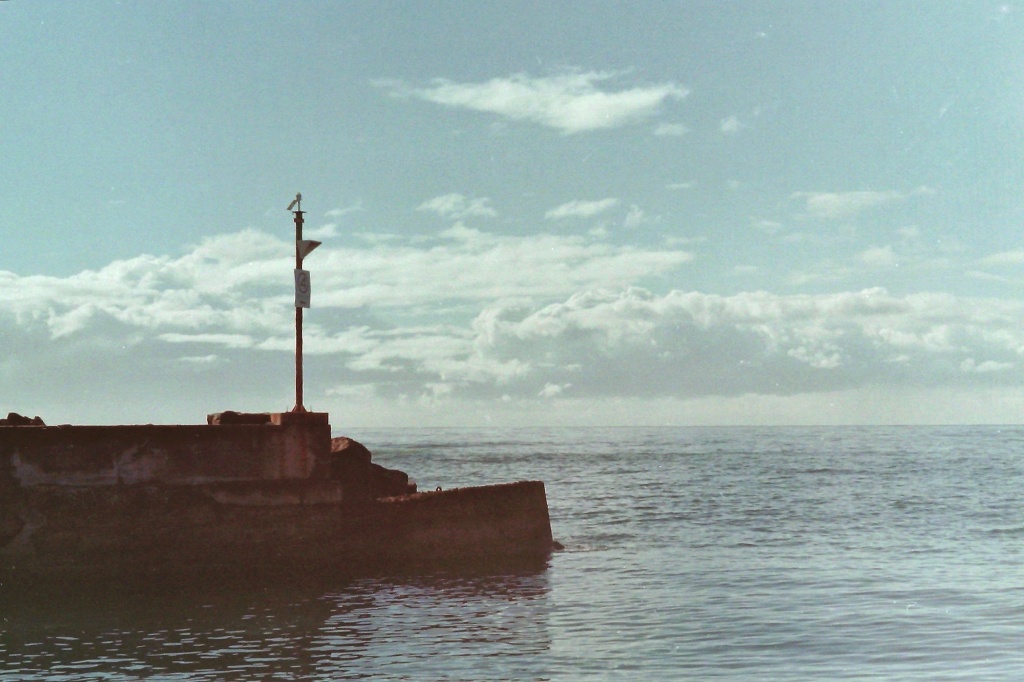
[{"x": 703, "y": 554}]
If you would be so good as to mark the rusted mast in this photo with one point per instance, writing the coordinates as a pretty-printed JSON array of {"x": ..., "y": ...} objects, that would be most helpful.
[
  {"x": 302, "y": 294},
  {"x": 298, "y": 308}
]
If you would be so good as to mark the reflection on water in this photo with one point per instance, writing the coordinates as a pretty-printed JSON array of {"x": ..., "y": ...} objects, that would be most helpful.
[{"x": 357, "y": 630}]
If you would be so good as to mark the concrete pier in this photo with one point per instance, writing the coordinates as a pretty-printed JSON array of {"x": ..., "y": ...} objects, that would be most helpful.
[{"x": 229, "y": 496}]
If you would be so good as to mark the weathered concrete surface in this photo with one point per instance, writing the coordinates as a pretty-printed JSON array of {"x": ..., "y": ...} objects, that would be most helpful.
[
  {"x": 281, "y": 527},
  {"x": 174, "y": 455},
  {"x": 81, "y": 502}
]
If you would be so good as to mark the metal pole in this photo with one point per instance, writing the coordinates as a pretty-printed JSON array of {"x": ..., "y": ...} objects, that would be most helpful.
[{"x": 298, "y": 318}]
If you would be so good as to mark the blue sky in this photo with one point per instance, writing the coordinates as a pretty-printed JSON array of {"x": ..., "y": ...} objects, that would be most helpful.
[{"x": 531, "y": 213}]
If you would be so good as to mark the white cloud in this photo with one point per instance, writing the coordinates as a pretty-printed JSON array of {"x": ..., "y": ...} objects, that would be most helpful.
[
  {"x": 235, "y": 290},
  {"x": 671, "y": 130},
  {"x": 551, "y": 390},
  {"x": 986, "y": 277},
  {"x": 345, "y": 210},
  {"x": 731, "y": 125},
  {"x": 768, "y": 226},
  {"x": 466, "y": 266},
  {"x": 227, "y": 340},
  {"x": 909, "y": 233},
  {"x": 826, "y": 271},
  {"x": 845, "y": 205},
  {"x": 470, "y": 316},
  {"x": 199, "y": 359},
  {"x": 879, "y": 257},
  {"x": 220, "y": 282},
  {"x": 636, "y": 343},
  {"x": 1004, "y": 258},
  {"x": 458, "y": 207},
  {"x": 636, "y": 217},
  {"x": 970, "y": 365},
  {"x": 327, "y": 231},
  {"x": 581, "y": 209},
  {"x": 675, "y": 242},
  {"x": 571, "y": 103}
]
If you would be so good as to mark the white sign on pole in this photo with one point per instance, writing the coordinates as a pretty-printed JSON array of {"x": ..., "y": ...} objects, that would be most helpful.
[{"x": 302, "y": 288}]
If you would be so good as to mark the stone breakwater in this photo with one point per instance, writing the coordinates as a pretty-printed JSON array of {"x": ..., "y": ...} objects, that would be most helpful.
[{"x": 242, "y": 494}]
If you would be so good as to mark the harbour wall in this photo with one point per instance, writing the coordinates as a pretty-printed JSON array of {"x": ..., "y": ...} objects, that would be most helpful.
[
  {"x": 287, "y": 447},
  {"x": 219, "y": 500}
]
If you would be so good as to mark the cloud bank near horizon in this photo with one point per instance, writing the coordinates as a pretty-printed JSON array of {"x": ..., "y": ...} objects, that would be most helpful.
[{"x": 471, "y": 316}]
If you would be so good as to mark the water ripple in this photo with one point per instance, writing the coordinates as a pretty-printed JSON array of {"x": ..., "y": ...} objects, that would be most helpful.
[{"x": 711, "y": 554}]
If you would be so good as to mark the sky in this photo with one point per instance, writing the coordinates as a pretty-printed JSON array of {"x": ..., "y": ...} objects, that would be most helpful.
[{"x": 532, "y": 213}]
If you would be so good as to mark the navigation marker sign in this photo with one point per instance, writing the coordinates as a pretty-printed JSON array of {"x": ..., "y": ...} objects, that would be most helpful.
[
  {"x": 305, "y": 246},
  {"x": 302, "y": 291}
]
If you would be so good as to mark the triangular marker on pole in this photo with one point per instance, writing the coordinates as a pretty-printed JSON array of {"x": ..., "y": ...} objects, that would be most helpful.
[{"x": 305, "y": 246}]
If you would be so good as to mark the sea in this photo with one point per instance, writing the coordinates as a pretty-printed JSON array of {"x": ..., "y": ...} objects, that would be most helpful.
[{"x": 726, "y": 553}]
